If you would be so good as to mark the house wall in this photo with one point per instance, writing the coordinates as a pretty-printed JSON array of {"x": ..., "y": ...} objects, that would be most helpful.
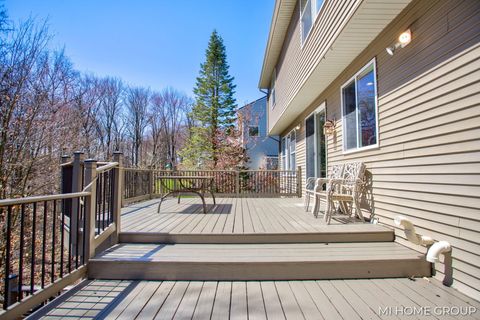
[
  {"x": 262, "y": 146},
  {"x": 296, "y": 62},
  {"x": 427, "y": 165}
]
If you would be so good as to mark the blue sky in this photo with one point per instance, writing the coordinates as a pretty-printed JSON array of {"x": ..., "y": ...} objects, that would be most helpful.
[{"x": 156, "y": 43}]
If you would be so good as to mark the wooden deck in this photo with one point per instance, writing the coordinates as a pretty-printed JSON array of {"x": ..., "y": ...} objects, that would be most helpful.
[
  {"x": 244, "y": 220},
  {"x": 324, "y": 299}
]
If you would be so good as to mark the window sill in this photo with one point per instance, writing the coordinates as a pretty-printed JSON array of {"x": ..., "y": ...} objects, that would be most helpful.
[{"x": 369, "y": 148}]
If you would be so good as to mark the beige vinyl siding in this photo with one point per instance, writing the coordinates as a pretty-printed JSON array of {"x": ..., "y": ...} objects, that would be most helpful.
[
  {"x": 296, "y": 62},
  {"x": 427, "y": 166}
]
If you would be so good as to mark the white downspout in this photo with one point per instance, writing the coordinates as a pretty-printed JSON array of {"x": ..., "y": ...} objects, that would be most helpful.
[{"x": 410, "y": 233}]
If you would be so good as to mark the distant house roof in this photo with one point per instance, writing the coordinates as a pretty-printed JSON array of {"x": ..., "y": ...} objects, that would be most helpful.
[{"x": 250, "y": 103}]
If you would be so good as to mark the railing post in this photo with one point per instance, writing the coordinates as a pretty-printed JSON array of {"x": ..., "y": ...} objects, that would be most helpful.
[
  {"x": 64, "y": 159},
  {"x": 66, "y": 183},
  {"x": 90, "y": 207},
  {"x": 299, "y": 181},
  {"x": 76, "y": 187},
  {"x": 152, "y": 183},
  {"x": 118, "y": 191},
  {"x": 237, "y": 183}
]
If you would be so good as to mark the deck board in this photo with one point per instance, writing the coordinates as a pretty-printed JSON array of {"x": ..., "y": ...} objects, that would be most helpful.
[
  {"x": 327, "y": 299},
  {"x": 233, "y": 216},
  {"x": 204, "y": 306}
]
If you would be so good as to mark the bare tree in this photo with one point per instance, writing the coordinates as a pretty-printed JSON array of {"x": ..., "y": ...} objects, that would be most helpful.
[
  {"x": 137, "y": 101},
  {"x": 18, "y": 117},
  {"x": 110, "y": 109},
  {"x": 168, "y": 118},
  {"x": 85, "y": 109}
]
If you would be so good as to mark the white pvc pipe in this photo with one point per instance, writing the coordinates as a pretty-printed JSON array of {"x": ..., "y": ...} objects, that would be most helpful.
[
  {"x": 437, "y": 249},
  {"x": 410, "y": 233}
]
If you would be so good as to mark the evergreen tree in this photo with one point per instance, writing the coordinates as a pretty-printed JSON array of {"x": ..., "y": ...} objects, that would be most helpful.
[{"x": 214, "y": 113}]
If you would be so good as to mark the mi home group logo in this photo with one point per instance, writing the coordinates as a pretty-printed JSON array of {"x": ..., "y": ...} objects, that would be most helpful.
[{"x": 427, "y": 311}]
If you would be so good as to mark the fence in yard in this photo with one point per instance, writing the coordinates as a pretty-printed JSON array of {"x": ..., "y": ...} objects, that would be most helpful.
[
  {"x": 142, "y": 184},
  {"x": 46, "y": 241}
]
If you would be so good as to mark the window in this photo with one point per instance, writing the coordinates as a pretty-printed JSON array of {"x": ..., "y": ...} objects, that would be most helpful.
[
  {"x": 315, "y": 146},
  {"x": 308, "y": 11},
  {"x": 291, "y": 150},
  {"x": 253, "y": 131},
  {"x": 272, "y": 89},
  {"x": 288, "y": 151},
  {"x": 359, "y": 110}
]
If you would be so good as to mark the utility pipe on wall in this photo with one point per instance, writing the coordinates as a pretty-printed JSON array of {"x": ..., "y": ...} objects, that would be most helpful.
[
  {"x": 437, "y": 249},
  {"x": 410, "y": 233}
]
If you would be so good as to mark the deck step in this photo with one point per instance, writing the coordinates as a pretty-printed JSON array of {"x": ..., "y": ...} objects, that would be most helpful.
[
  {"x": 330, "y": 234},
  {"x": 298, "y": 261}
]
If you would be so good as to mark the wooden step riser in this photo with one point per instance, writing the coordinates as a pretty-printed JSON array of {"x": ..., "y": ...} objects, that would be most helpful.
[
  {"x": 232, "y": 271},
  {"x": 136, "y": 237}
]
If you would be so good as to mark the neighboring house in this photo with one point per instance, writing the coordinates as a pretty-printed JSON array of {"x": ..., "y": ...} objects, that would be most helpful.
[
  {"x": 262, "y": 149},
  {"x": 412, "y": 117}
]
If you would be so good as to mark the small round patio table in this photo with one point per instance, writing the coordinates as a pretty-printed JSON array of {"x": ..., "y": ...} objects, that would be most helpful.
[{"x": 187, "y": 184}]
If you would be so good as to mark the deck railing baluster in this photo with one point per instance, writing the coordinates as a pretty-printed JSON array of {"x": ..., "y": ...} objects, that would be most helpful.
[
  {"x": 7, "y": 258},
  {"x": 53, "y": 241},
  {"x": 78, "y": 235},
  {"x": 20, "y": 255},
  {"x": 44, "y": 241},
  {"x": 33, "y": 252}
]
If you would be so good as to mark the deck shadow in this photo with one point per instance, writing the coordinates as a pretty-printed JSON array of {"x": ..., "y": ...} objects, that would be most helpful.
[
  {"x": 211, "y": 208},
  {"x": 117, "y": 301},
  {"x": 137, "y": 209}
]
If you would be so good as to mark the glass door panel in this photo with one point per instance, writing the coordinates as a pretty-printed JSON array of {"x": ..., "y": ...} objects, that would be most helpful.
[
  {"x": 310, "y": 146},
  {"x": 320, "y": 156}
]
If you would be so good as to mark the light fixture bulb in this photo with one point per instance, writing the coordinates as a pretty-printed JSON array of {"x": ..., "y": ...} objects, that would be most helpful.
[
  {"x": 405, "y": 37},
  {"x": 390, "y": 50}
]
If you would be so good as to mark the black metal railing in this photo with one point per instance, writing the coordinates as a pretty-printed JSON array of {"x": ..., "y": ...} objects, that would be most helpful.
[
  {"x": 105, "y": 197},
  {"x": 37, "y": 244}
]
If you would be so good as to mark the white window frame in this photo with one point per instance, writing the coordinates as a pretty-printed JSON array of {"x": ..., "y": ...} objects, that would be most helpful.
[
  {"x": 315, "y": 12},
  {"x": 321, "y": 108},
  {"x": 344, "y": 128},
  {"x": 288, "y": 153},
  {"x": 272, "y": 99}
]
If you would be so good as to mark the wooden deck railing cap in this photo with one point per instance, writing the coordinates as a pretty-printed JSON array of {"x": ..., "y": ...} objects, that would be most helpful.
[
  {"x": 25, "y": 200},
  {"x": 107, "y": 167}
]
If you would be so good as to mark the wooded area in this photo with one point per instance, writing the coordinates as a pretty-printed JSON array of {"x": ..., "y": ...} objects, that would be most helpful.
[{"x": 48, "y": 108}]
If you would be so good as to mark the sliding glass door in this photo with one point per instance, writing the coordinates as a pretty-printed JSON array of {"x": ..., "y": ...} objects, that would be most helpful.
[{"x": 315, "y": 145}]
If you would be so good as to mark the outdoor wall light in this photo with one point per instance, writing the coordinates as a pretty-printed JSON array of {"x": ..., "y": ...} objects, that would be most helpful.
[
  {"x": 298, "y": 127},
  {"x": 404, "y": 39},
  {"x": 329, "y": 127}
]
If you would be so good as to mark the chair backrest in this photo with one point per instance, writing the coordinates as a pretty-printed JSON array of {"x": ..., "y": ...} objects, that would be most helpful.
[
  {"x": 353, "y": 171},
  {"x": 337, "y": 171}
]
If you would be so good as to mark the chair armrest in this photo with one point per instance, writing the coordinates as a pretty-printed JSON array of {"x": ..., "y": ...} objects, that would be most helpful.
[
  {"x": 349, "y": 182},
  {"x": 310, "y": 183}
]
